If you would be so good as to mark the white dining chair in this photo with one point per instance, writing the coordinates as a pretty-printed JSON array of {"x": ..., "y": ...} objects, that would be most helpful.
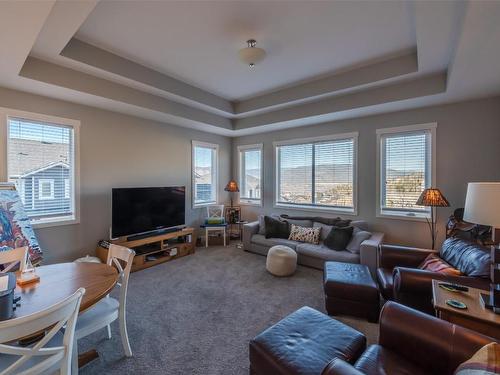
[
  {"x": 11, "y": 258},
  {"x": 108, "y": 309},
  {"x": 53, "y": 352}
]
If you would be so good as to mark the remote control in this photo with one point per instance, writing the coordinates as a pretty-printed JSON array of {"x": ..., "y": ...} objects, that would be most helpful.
[{"x": 458, "y": 287}]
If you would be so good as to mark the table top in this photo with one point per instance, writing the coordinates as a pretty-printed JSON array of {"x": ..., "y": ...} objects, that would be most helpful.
[
  {"x": 59, "y": 281},
  {"x": 474, "y": 310}
]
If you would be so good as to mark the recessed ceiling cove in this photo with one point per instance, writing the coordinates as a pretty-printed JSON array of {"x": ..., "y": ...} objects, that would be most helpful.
[{"x": 197, "y": 41}]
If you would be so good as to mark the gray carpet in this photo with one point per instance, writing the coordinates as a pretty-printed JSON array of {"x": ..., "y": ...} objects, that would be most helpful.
[{"x": 196, "y": 315}]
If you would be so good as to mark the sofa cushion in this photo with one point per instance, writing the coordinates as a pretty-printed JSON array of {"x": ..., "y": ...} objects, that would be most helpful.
[
  {"x": 276, "y": 228},
  {"x": 358, "y": 236},
  {"x": 262, "y": 223},
  {"x": 361, "y": 224},
  {"x": 339, "y": 238},
  {"x": 259, "y": 239},
  {"x": 434, "y": 263},
  {"x": 322, "y": 252},
  {"x": 325, "y": 229},
  {"x": 303, "y": 234},
  {"x": 469, "y": 258}
]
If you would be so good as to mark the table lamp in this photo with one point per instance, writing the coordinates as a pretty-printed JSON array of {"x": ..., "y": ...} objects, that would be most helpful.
[
  {"x": 232, "y": 187},
  {"x": 482, "y": 206},
  {"x": 432, "y": 198}
]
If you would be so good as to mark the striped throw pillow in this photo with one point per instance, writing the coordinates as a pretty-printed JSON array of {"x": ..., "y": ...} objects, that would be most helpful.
[{"x": 486, "y": 361}]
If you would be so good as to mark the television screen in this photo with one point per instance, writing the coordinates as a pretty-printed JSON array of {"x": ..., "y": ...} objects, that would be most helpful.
[{"x": 140, "y": 210}]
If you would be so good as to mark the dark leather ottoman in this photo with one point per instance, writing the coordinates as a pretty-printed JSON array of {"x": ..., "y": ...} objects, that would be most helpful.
[
  {"x": 303, "y": 343},
  {"x": 350, "y": 290}
]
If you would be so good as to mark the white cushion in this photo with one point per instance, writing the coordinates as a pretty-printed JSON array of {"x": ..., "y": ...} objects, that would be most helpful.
[
  {"x": 98, "y": 316},
  {"x": 281, "y": 260}
]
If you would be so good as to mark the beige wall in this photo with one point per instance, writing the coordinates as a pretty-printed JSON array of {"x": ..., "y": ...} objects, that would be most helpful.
[
  {"x": 468, "y": 149},
  {"x": 115, "y": 151}
]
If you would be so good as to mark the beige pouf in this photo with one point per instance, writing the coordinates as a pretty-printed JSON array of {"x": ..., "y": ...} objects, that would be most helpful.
[{"x": 281, "y": 260}]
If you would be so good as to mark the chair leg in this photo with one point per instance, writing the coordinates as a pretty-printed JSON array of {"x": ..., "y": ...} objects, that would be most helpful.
[
  {"x": 109, "y": 331},
  {"x": 124, "y": 336},
  {"x": 74, "y": 358}
]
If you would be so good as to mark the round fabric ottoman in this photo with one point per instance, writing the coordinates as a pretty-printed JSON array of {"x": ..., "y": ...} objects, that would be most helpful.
[{"x": 281, "y": 260}]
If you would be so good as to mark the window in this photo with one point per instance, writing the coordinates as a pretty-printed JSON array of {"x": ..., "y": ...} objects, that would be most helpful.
[
  {"x": 45, "y": 189},
  {"x": 319, "y": 173},
  {"x": 405, "y": 169},
  {"x": 205, "y": 173},
  {"x": 41, "y": 161},
  {"x": 250, "y": 174}
]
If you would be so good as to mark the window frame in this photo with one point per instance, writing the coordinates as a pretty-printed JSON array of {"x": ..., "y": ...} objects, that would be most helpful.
[
  {"x": 244, "y": 200},
  {"x": 319, "y": 208},
  {"x": 403, "y": 214},
  {"x": 49, "y": 221},
  {"x": 52, "y": 190},
  {"x": 215, "y": 173}
]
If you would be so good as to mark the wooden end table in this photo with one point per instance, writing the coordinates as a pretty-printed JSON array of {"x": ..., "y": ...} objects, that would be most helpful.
[{"x": 475, "y": 317}]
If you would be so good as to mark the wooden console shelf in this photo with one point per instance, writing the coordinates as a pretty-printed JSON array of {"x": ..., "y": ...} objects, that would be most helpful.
[{"x": 156, "y": 249}]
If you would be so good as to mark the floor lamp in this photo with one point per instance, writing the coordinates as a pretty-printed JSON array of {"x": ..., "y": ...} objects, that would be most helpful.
[
  {"x": 482, "y": 206},
  {"x": 432, "y": 198}
]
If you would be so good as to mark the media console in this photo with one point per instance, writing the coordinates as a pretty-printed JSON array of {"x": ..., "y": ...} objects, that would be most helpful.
[{"x": 155, "y": 249}]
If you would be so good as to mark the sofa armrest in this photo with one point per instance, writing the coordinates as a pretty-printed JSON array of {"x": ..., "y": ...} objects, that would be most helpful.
[
  {"x": 368, "y": 251},
  {"x": 248, "y": 231},
  {"x": 393, "y": 256},
  {"x": 437, "y": 346},
  {"x": 414, "y": 280},
  {"x": 338, "y": 366}
]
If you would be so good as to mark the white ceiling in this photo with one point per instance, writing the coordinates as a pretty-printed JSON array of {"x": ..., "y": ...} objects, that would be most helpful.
[
  {"x": 344, "y": 51},
  {"x": 198, "y": 41}
]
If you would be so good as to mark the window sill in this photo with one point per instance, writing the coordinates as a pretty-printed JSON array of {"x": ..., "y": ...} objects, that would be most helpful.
[
  {"x": 337, "y": 210},
  {"x": 403, "y": 216},
  {"x": 54, "y": 222},
  {"x": 202, "y": 205},
  {"x": 250, "y": 203}
]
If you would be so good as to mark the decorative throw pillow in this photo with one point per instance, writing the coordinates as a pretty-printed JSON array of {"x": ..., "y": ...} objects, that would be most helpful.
[
  {"x": 434, "y": 263},
  {"x": 304, "y": 234},
  {"x": 276, "y": 228},
  {"x": 486, "y": 361},
  {"x": 338, "y": 238},
  {"x": 358, "y": 236}
]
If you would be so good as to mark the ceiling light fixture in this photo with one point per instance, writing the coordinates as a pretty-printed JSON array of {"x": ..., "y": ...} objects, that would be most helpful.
[{"x": 251, "y": 55}]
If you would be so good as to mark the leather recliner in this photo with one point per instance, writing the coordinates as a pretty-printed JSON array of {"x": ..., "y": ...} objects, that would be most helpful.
[
  {"x": 411, "y": 342},
  {"x": 400, "y": 279}
]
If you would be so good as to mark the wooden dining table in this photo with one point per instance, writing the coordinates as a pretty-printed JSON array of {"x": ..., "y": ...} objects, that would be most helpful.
[{"x": 59, "y": 281}]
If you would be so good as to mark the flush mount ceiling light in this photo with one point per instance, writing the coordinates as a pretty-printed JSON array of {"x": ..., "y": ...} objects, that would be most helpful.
[{"x": 251, "y": 55}]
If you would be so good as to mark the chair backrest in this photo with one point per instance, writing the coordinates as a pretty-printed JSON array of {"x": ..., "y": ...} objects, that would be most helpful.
[
  {"x": 13, "y": 257},
  {"x": 215, "y": 210},
  {"x": 117, "y": 256},
  {"x": 52, "y": 320}
]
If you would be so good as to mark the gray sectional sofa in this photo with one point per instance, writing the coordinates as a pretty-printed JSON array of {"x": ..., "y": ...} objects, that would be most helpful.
[{"x": 255, "y": 241}]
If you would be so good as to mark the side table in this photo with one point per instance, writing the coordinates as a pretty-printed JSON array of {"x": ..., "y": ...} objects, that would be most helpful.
[{"x": 474, "y": 317}]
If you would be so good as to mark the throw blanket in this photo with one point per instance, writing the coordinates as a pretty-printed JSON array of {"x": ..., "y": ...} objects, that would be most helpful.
[{"x": 337, "y": 221}]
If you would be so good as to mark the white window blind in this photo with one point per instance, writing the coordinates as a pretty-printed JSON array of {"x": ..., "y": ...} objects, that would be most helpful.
[
  {"x": 204, "y": 174},
  {"x": 40, "y": 161},
  {"x": 317, "y": 174},
  {"x": 251, "y": 174},
  {"x": 405, "y": 170}
]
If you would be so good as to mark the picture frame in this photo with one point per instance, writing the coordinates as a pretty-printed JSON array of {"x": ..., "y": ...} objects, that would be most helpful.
[{"x": 232, "y": 214}]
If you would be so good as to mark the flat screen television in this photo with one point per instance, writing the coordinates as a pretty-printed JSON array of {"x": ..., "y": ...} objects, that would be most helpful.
[{"x": 141, "y": 210}]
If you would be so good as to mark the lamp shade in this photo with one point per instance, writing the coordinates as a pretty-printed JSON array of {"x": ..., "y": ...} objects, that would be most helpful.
[
  {"x": 432, "y": 197},
  {"x": 482, "y": 203},
  {"x": 232, "y": 187}
]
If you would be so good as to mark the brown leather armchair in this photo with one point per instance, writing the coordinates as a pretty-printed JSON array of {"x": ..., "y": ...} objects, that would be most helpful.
[
  {"x": 400, "y": 279},
  {"x": 411, "y": 342}
]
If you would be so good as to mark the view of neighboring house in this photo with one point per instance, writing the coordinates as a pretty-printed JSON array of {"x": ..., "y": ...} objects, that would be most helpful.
[{"x": 43, "y": 183}]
